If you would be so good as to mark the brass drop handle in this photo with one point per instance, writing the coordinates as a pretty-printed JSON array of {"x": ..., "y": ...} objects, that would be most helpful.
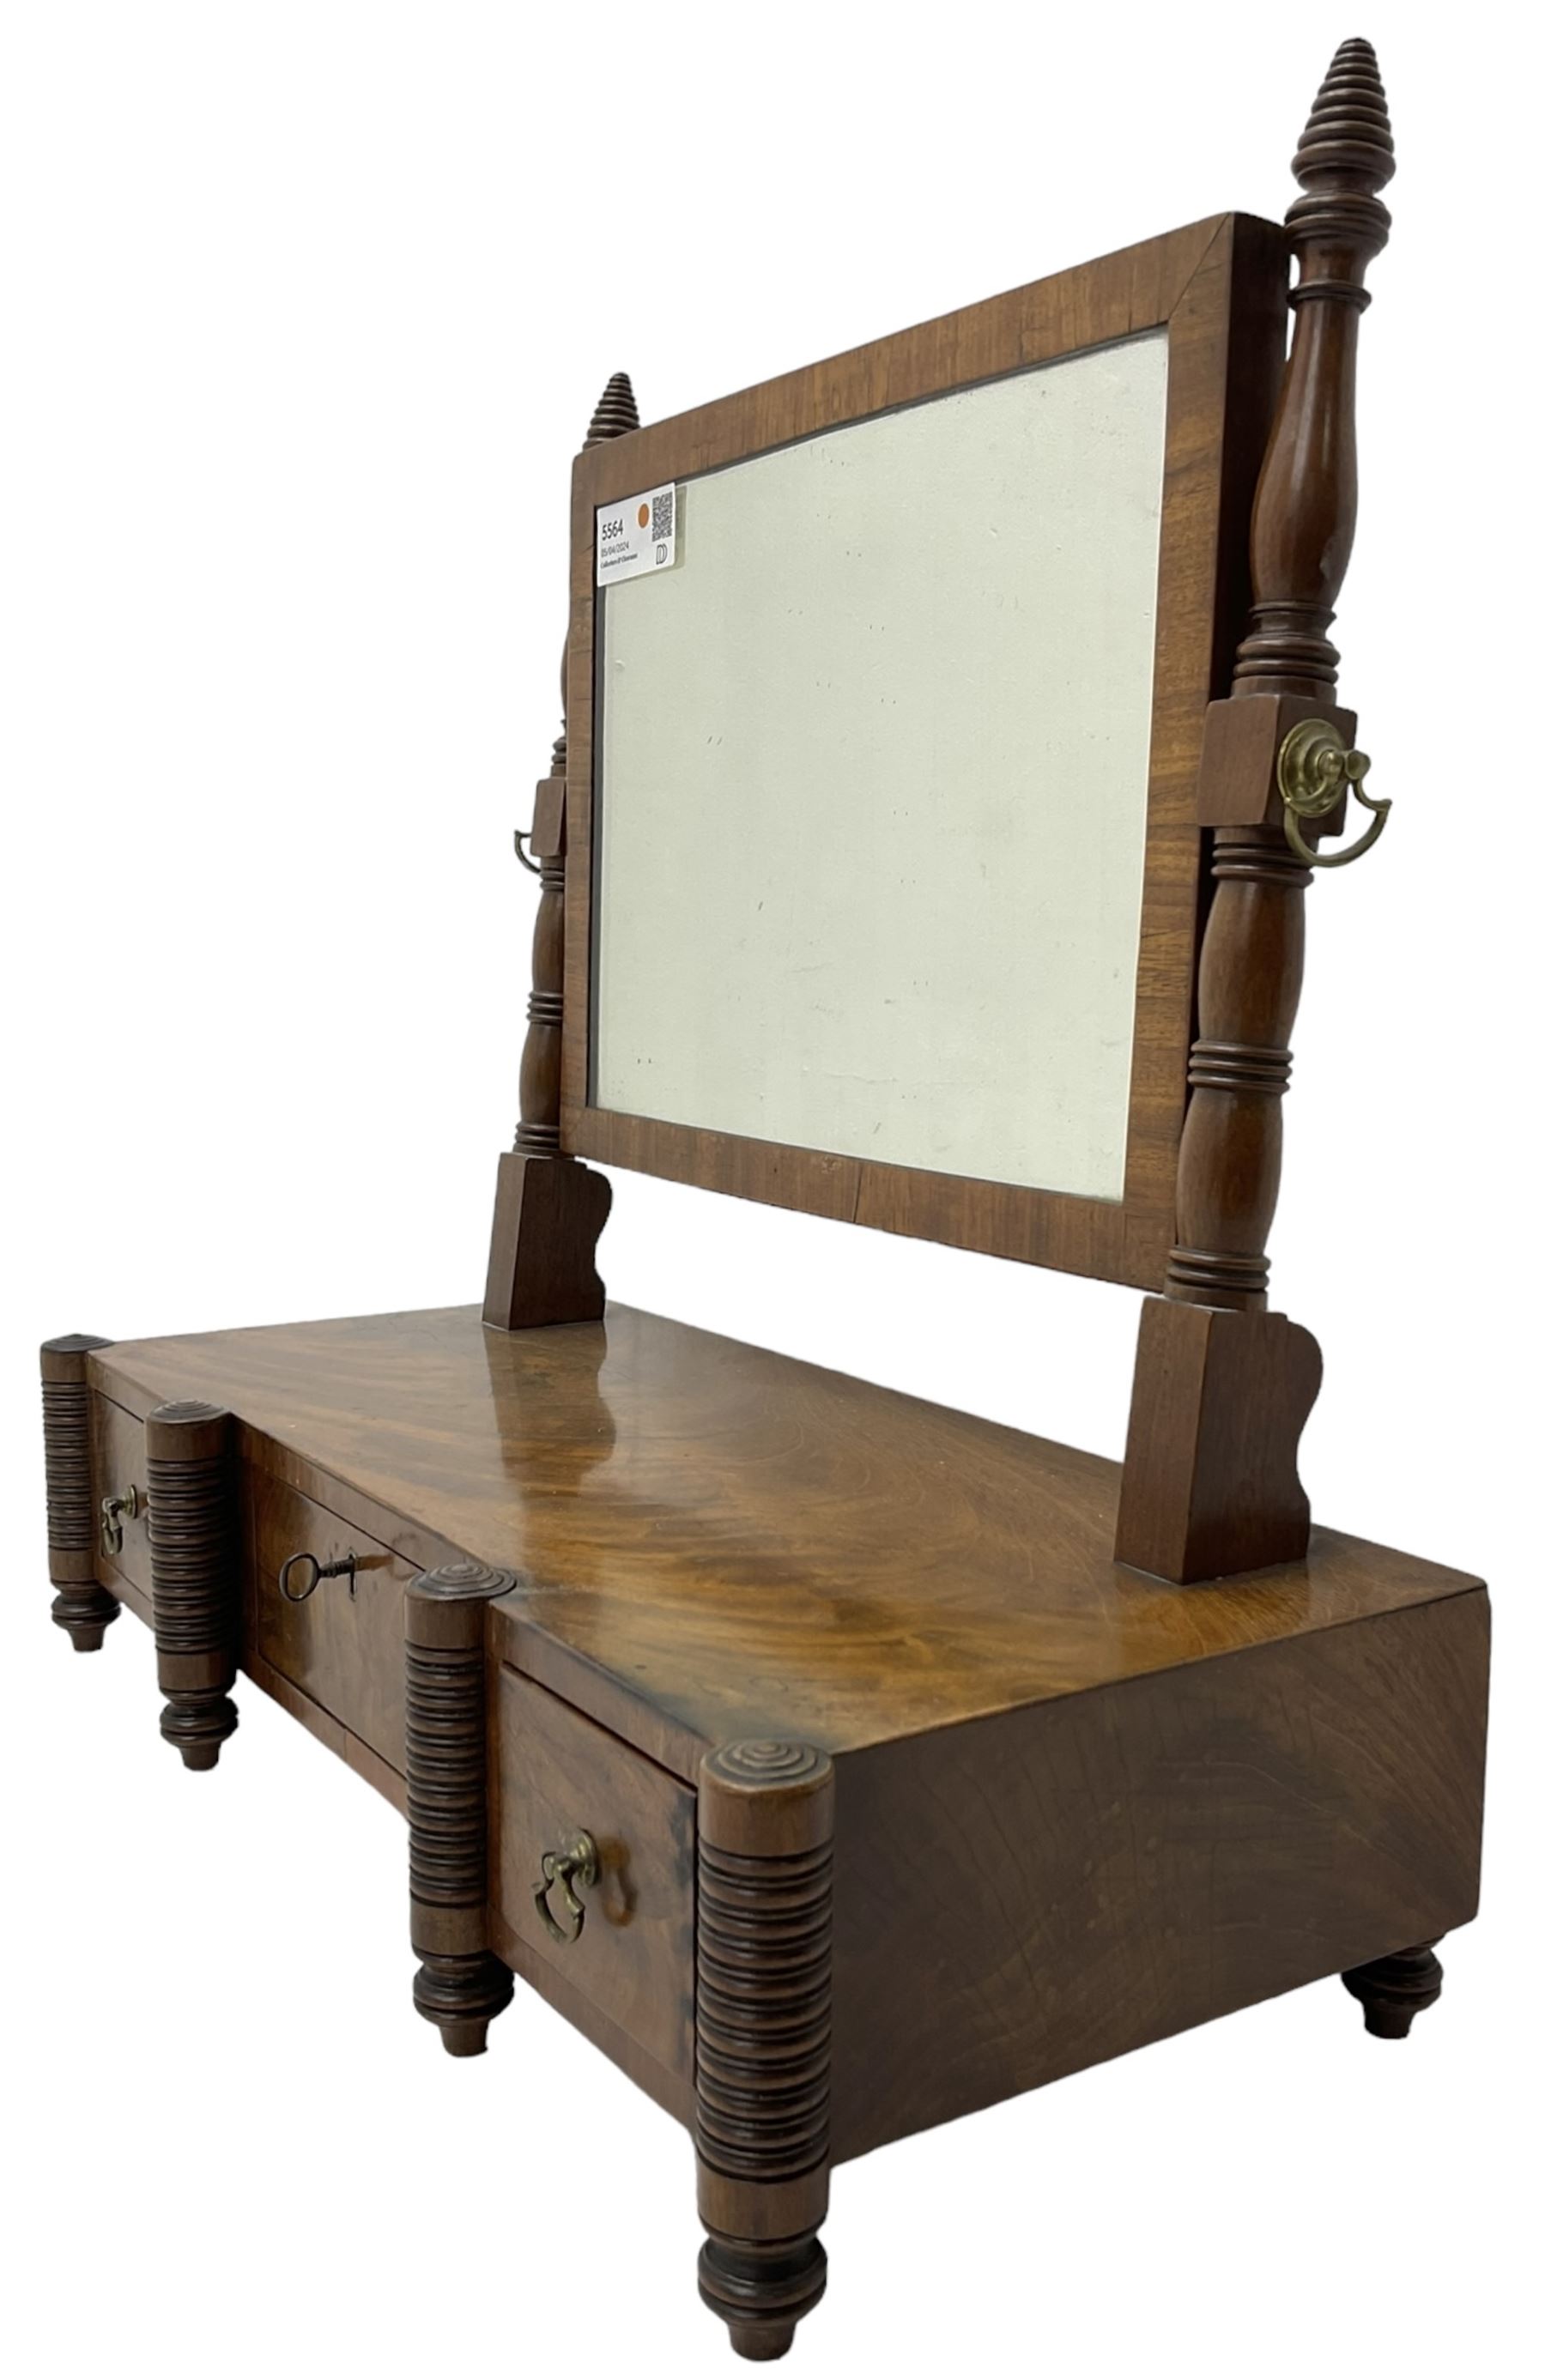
[
  {"x": 1314, "y": 769},
  {"x": 115, "y": 1511},
  {"x": 296, "y": 1567},
  {"x": 561, "y": 1871}
]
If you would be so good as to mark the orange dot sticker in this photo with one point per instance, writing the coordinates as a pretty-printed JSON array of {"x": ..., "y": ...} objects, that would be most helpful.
[{"x": 643, "y": 516}]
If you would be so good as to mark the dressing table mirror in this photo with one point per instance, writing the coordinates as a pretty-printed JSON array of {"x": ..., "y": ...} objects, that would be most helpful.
[{"x": 952, "y": 737}]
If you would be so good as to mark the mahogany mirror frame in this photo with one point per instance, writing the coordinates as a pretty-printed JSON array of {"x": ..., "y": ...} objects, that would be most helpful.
[{"x": 1218, "y": 288}]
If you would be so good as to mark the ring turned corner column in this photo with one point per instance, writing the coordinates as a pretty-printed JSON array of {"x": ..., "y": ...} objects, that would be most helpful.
[
  {"x": 82, "y": 1607},
  {"x": 189, "y": 1475},
  {"x": 460, "y": 1984},
  {"x": 765, "y": 1816}
]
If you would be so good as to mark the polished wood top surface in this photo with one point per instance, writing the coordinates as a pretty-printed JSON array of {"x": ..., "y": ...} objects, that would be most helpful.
[{"x": 716, "y": 1541}]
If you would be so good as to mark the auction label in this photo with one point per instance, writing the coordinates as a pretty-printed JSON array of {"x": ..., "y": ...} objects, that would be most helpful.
[{"x": 636, "y": 535}]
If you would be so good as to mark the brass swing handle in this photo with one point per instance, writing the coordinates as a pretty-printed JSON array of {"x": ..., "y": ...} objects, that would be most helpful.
[
  {"x": 1314, "y": 769},
  {"x": 115, "y": 1511},
  {"x": 294, "y": 1567},
  {"x": 561, "y": 1871}
]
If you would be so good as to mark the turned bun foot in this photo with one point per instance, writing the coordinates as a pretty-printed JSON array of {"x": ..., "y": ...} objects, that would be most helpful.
[
  {"x": 198, "y": 1727},
  {"x": 85, "y": 1613},
  {"x": 761, "y": 2289},
  {"x": 1395, "y": 1991},
  {"x": 463, "y": 1996}
]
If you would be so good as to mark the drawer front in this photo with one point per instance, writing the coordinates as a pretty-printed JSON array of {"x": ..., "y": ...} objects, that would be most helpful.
[
  {"x": 558, "y": 1775},
  {"x": 118, "y": 1464},
  {"x": 344, "y": 1651}
]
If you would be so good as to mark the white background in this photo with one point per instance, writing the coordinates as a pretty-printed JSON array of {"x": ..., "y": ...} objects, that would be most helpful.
[{"x": 305, "y": 309}]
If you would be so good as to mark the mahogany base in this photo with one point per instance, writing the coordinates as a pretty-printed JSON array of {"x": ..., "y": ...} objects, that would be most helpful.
[{"x": 983, "y": 1807}]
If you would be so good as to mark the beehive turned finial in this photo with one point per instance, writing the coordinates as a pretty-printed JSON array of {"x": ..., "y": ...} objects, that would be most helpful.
[
  {"x": 1345, "y": 156},
  {"x": 617, "y": 413}
]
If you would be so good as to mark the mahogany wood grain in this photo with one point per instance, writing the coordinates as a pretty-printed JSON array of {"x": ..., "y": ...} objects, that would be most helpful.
[
  {"x": 124, "y": 1591},
  {"x": 118, "y": 1465},
  {"x": 715, "y": 1541},
  {"x": 419, "y": 1548},
  {"x": 387, "y": 1782},
  {"x": 558, "y": 1775},
  {"x": 1395, "y": 1990},
  {"x": 366, "y": 1762},
  {"x": 1073, "y": 1879},
  {"x": 1219, "y": 285},
  {"x": 343, "y": 1650},
  {"x": 1209, "y": 1486},
  {"x": 666, "y": 2085},
  {"x": 549, "y": 1212}
]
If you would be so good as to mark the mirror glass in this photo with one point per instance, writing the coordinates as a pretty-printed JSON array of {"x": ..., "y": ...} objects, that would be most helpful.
[{"x": 871, "y": 785}]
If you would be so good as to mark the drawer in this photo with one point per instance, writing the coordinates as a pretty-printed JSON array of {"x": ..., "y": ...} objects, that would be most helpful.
[
  {"x": 344, "y": 1651},
  {"x": 558, "y": 1774},
  {"x": 118, "y": 1465}
]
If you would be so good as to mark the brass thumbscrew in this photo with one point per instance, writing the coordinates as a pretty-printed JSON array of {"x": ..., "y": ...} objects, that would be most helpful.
[{"x": 1314, "y": 769}]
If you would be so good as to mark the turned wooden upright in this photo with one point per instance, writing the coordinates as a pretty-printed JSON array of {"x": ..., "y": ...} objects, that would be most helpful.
[
  {"x": 549, "y": 1209},
  {"x": 1223, "y": 1386}
]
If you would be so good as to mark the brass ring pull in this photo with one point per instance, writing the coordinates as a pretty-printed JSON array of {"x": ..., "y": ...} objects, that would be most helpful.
[
  {"x": 561, "y": 1871},
  {"x": 523, "y": 836},
  {"x": 1314, "y": 769},
  {"x": 295, "y": 1563},
  {"x": 115, "y": 1511}
]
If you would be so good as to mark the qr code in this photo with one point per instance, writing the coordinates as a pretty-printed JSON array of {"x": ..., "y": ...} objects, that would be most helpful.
[{"x": 662, "y": 518}]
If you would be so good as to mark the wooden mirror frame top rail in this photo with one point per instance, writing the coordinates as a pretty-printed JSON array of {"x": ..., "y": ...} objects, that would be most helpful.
[{"x": 1259, "y": 512}]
